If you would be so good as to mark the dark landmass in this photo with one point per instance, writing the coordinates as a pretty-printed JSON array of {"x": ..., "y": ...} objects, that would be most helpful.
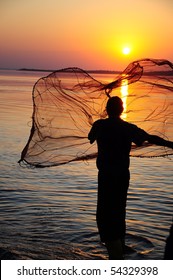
[
  {"x": 88, "y": 71},
  {"x": 155, "y": 73}
]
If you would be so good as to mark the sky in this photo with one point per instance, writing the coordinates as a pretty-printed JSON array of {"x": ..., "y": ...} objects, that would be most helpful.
[{"x": 90, "y": 34}]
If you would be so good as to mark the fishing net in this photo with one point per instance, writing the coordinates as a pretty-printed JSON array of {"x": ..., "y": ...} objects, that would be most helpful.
[{"x": 68, "y": 101}]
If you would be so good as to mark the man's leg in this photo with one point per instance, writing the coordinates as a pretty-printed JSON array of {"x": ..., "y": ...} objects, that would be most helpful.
[{"x": 115, "y": 249}]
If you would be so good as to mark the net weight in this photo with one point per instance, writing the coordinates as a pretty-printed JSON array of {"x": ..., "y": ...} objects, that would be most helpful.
[{"x": 134, "y": 270}]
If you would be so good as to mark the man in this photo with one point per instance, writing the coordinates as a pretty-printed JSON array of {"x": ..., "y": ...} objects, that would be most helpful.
[{"x": 114, "y": 138}]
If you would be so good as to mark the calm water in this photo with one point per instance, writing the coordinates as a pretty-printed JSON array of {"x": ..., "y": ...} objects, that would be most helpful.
[{"x": 50, "y": 213}]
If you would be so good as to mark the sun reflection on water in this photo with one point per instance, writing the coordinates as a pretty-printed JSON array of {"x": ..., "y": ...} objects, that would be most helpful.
[{"x": 124, "y": 95}]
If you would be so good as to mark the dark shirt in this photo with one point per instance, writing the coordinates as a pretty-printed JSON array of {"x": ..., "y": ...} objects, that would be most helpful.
[{"x": 114, "y": 138}]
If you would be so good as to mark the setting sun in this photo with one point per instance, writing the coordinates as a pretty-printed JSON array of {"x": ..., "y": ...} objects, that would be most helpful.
[{"x": 126, "y": 50}]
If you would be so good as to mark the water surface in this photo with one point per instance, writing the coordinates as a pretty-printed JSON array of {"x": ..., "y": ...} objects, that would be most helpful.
[{"x": 50, "y": 213}]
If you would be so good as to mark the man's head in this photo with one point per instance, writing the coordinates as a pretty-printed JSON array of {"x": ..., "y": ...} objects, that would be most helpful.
[{"x": 114, "y": 106}]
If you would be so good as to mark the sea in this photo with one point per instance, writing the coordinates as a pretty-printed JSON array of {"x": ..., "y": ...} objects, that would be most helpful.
[{"x": 50, "y": 213}]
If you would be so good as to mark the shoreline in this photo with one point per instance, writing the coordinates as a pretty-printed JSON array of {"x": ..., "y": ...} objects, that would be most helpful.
[
  {"x": 54, "y": 70},
  {"x": 150, "y": 73}
]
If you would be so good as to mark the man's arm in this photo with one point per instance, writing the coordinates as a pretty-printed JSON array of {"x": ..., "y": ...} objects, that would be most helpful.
[
  {"x": 153, "y": 139},
  {"x": 92, "y": 136}
]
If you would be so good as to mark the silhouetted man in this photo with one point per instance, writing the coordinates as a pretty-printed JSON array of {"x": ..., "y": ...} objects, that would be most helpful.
[{"x": 114, "y": 138}]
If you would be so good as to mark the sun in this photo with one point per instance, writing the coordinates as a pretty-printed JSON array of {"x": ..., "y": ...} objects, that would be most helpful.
[{"x": 126, "y": 50}]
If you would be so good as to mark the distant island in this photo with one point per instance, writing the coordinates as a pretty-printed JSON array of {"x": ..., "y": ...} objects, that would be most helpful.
[
  {"x": 88, "y": 71},
  {"x": 161, "y": 73}
]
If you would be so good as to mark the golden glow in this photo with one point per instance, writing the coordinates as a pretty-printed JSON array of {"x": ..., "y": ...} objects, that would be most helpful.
[
  {"x": 70, "y": 34},
  {"x": 124, "y": 95},
  {"x": 126, "y": 50}
]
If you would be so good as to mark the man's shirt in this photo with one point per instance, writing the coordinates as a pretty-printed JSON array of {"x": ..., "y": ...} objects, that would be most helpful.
[{"x": 114, "y": 138}]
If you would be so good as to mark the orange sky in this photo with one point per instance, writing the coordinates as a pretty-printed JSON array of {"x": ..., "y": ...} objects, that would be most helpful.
[{"x": 89, "y": 34}]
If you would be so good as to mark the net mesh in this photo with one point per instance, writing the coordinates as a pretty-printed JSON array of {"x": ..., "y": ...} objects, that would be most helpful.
[{"x": 68, "y": 101}]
